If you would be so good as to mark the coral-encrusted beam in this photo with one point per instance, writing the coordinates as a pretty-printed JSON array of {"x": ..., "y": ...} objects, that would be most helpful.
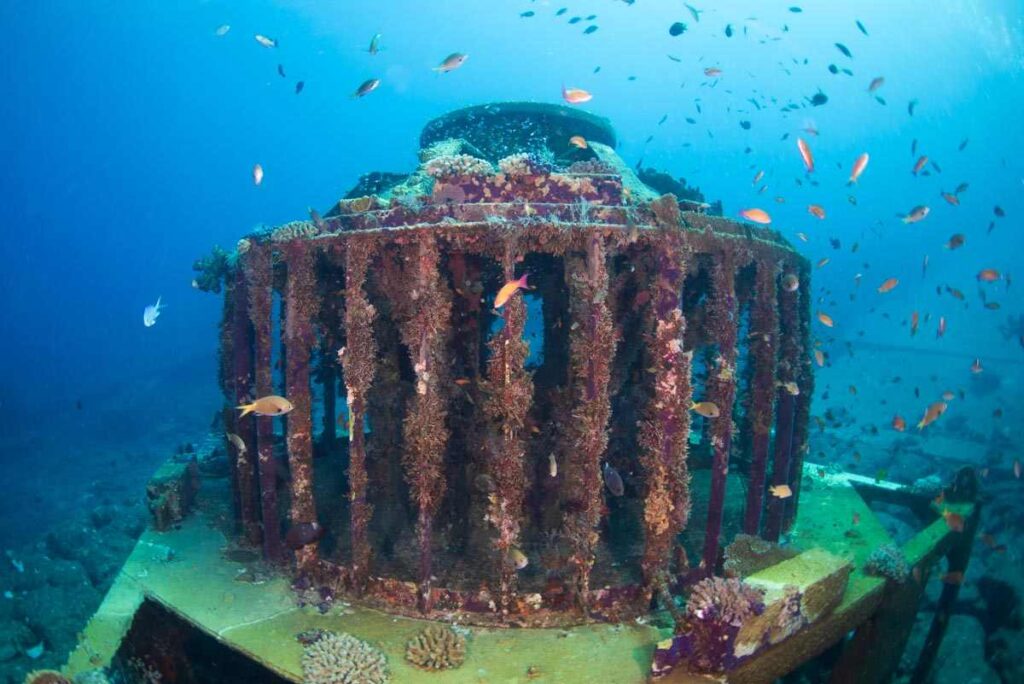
[
  {"x": 245, "y": 461},
  {"x": 764, "y": 333},
  {"x": 509, "y": 391},
  {"x": 790, "y": 368},
  {"x": 425, "y": 333},
  {"x": 301, "y": 309},
  {"x": 259, "y": 269},
  {"x": 665, "y": 429},
  {"x": 802, "y": 410},
  {"x": 592, "y": 342},
  {"x": 359, "y": 364},
  {"x": 721, "y": 390}
]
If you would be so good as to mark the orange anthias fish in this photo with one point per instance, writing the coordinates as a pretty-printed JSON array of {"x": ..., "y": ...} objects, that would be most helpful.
[
  {"x": 816, "y": 210},
  {"x": 823, "y": 262},
  {"x": 916, "y": 214},
  {"x": 932, "y": 414},
  {"x": 578, "y": 141},
  {"x": 922, "y": 160},
  {"x": 888, "y": 285},
  {"x": 270, "y": 405},
  {"x": 954, "y": 521},
  {"x": 757, "y": 216},
  {"x": 825, "y": 319},
  {"x": 509, "y": 289},
  {"x": 898, "y": 423},
  {"x": 942, "y": 327},
  {"x": 988, "y": 275},
  {"x": 858, "y": 167},
  {"x": 576, "y": 95},
  {"x": 951, "y": 198},
  {"x": 819, "y": 358},
  {"x": 781, "y": 491},
  {"x": 805, "y": 154},
  {"x": 915, "y": 320},
  {"x": 953, "y": 578},
  {"x": 976, "y": 366}
]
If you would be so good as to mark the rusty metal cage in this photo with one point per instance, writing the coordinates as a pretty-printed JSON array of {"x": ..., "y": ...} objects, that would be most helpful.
[{"x": 471, "y": 440}]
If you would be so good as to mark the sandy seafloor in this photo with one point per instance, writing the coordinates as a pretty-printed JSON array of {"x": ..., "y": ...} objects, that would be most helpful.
[{"x": 71, "y": 511}]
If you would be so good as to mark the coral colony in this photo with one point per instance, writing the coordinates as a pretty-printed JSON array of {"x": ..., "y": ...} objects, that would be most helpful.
[{"x": 471, "y": 456}]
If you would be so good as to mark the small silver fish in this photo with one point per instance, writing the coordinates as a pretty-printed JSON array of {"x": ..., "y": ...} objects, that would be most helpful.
[
  {"x": 367, "y": 87},
  {"x": 613, "y": 480},
  {"x": 374, "y": 44},
  {"x": 451, "y": 62},
  {"x": 151, "y": 313},
  {"x": 236, "y": 442},
  {"x": 222, "y": 30},
  {"x": 264, "y": 41},
  {"x": 552, "y": 466}
]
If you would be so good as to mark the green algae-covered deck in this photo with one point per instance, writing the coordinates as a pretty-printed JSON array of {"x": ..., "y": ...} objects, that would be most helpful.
[{"x": 186, "y": 571}]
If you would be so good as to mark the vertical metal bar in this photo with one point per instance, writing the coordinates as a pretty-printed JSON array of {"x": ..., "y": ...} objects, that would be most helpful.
[
  {"x": 592, "y": 342},
  {"x": 789, "y": 369},
  {"x": 957, "y": 559},
  {"x": 764, "y": 334},
  {"x": 802, "y": 410},
  {"x": 425, "y": 332},
  {"x": 723, "y": 313},
  {"x": 245, "y": 462},
  {"x": 359, "y": 362},
  {"x": 260, "y": 277},
  {"x": 665, "y": 429},
  {"x": 509, "y": 395},
  {"x": 300, "y": 336}
]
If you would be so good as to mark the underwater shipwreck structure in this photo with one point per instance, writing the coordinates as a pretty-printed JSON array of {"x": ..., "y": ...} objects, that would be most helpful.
[{"x": 627, "y": 432}]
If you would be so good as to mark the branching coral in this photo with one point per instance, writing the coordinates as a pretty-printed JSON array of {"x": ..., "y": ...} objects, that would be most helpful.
[
  {"x": 212, "y": 271},
  {"x": 715, "y": 613},
  {"x": 448, "y": 166},
  {"x": 729, "y": 601},
  {"x": 436, "y": 648},
  {"x": 343, "y": 659},
  {"x": 887, "y": 561},
  {"x": 524, "y": 164}
]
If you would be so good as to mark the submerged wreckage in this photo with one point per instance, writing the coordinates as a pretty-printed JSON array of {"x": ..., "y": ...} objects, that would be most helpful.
[{"x": 622, "y": 442}]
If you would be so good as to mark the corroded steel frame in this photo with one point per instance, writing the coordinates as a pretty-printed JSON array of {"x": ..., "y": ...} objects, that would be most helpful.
[{"x": 587, "y": 220}]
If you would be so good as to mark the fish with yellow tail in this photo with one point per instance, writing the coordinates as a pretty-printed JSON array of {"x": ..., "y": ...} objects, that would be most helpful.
[
  {"x": 270, "y": 405},
  {"x": 706, "y": 409},
  {"x": 509, "y": 289}
]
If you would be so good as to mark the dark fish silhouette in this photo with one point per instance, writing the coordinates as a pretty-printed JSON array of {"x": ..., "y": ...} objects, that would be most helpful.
[
  {"x": 728, "y": 30},
  {"x": 845, "y": 50},
  {"x": 861, "y": 27},
  {"x": 589, "y": 30},
  {"x": 745, "y": 125},
  {"x": 963, "y": 144},
  {"x": 911, "y": 106},
  {"x": 280, "y": 70},
  {"x": 561, "y": 11},
  {"x": 613, "y": 481},
  {"x": 677, "y": 29},
  {"x": 299, "y": 86},
  {"x": 528, "y": 13}
]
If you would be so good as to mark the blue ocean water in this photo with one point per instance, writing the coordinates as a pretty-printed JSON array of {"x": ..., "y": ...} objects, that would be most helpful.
[{"x": 129, "y": 131}]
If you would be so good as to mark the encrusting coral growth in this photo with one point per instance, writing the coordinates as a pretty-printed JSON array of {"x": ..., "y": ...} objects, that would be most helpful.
[
  {"x": 715, "y": 612},
  {"x": 748, "y": 554},
  {"x": 436, "y": 648},
  {"x": 451, "y": 166},
  {"x": 46, "y": 677},
  {"x": 343, "y": 659},
  {"x": 887, "y": 561}
]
